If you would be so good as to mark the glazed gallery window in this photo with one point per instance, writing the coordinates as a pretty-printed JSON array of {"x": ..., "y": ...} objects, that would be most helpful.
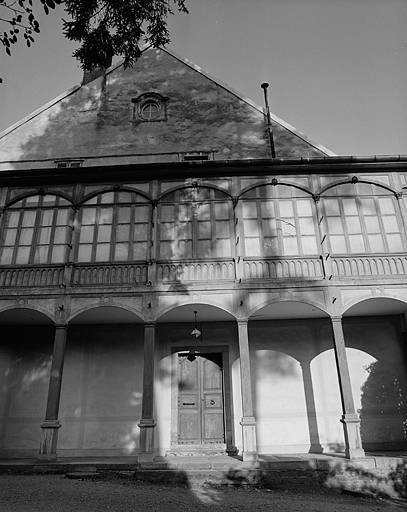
[
  {"x": 36, "y": 230},
  {"x": 278, "y": 227},
  {"x": 362, "y": 224},
  {"x": 114, "y": 227},
  {"x": 195, "y": 223}
]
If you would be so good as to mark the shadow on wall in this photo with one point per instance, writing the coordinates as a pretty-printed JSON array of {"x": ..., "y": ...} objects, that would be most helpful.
[
  {"x": 383, "y": 411},
  {"x": 99, "y": 119}
]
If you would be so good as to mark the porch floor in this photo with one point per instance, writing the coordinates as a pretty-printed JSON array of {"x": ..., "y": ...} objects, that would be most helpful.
[
  {"x": 265, "y": 461},
  {"x": 378, "y": 474}
]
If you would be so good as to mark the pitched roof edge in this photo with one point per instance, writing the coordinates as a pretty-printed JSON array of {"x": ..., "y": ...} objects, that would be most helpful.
[
  {"x": 250, "y": 102},
  {"x": 302, "y": 135},
  {"x": 39, "y": 111},
  {"x": 59, "y": 98},
  {"x": 195, "y": 67}
]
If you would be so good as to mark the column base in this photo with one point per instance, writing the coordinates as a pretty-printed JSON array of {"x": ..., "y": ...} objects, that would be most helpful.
[
  {"x": 357, "y": 453},
  {"x": 353, "y": 441},
  {"x": 249, "y": 439},
  {"x": 145, "y": 457},
  {"x": 146, "y": 453},
  {"x": 316, "y": 448},
  {"x": 49, "y": 440},
  {"x": 250, "y": 456}
]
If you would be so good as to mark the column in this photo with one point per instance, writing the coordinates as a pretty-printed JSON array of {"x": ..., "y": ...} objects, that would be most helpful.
[
  {"x": 248, "y": 422},
  {"x": 350, "y": 420},
  {"x": 51, "y": 425},
  {"x": 311, "y": 409},
  {"x": 147, "y": 423}
]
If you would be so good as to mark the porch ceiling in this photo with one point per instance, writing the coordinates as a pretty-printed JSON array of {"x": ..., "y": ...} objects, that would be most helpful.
[
  {"x": 205, "y": 313},
  {"x": 106, "y": 315},
  {"x": 24, "y": 316},
  {"x": 379, "y": 306},
  {"x": 287, "y": 310}
]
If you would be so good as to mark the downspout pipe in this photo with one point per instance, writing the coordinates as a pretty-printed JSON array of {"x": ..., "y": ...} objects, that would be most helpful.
[{"x": 264, "y": 86}]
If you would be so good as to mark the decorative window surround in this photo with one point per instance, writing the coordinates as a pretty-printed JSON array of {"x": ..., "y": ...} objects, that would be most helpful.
[{"x": 150, "y": 107}]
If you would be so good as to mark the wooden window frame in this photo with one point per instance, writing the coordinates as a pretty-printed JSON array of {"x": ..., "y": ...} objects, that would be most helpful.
[
  {"x": 114, "y": 206},
  {"x": 192, "y": 204},
  {"x": 38, "y": 210},
  {"x": 279, "y": 220},
  {"x": 361, "y": 217}
]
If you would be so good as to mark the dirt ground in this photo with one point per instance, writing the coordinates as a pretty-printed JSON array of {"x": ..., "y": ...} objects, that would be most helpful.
[{"x": 49, "y": 493}]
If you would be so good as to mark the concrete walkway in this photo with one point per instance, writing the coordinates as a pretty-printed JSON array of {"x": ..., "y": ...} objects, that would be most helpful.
[{"x": 383, "y": 473}]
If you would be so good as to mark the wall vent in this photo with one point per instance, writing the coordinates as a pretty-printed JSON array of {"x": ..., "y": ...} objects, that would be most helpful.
[{"x": 63, "y": 164}]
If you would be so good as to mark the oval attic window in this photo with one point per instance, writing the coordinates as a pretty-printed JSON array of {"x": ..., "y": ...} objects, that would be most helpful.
[{"x": 150, "y": 110}]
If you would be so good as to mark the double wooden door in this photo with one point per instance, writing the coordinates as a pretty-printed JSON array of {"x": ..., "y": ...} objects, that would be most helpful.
[{"x": 200, "y": 399}]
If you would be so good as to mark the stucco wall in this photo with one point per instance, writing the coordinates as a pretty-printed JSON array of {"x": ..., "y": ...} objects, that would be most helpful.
[
  {"x": 101, "y": 391},
  {"x": 297, "y": 410},
  {"x": 295, "y": 388},
  {"x": 97, "y": 119},
  {"x": 25, "y": 361}
]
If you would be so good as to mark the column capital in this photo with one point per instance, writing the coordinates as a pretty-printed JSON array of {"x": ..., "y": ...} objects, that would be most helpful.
[
  {"x": 248, "y": 420},
  {"x": 350, "y": 418},
  {"x": 243, "y": 320},
  {"x": 61, "y": 326},
  {"x": 146, "y": 423},
  {"x": 149, "y": 323},
  {"x": 336, "y": 318},
  {"x": 50, "y": 424}
]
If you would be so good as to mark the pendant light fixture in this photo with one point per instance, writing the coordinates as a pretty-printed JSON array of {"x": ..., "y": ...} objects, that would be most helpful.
[{"x": 195, "y": 331}]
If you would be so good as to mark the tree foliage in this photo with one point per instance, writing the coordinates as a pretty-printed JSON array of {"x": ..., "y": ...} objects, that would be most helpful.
[{"x": 103, "y": 28}]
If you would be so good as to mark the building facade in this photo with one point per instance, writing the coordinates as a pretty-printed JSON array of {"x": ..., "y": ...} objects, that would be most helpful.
[{"x": 166, "y": 287}]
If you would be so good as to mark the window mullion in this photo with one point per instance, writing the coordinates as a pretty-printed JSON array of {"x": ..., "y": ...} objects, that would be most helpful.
[
  {"x": 260, "y": 225},
  {"x": 52, "y": 234},
  {"x": 95, "y": 232},
  {"x": 345, "y": 225},
  {"x": 363, "y": 224},
  {"x": 131, "y": 231},
  {"x": 36, "y": 230},
  {"x": 113, "y": 233},
  {"x": 18, "y": 234},
  {"x": 192, "y": 217},
  {"x": 279, "y": 228},
  {"x": 297, "y": 228}
]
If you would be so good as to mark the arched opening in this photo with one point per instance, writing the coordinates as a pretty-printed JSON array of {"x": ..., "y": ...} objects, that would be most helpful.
[
  {"x": 193, "y": 388},
  {"x": 25, "y": 361},
  {"x": 284, "y": 338},
  {"x": 102, "y": 387},
  {"x": 375, "y": 337}
]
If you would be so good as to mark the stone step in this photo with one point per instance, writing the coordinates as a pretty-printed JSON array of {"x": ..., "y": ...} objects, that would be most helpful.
[{"x": 83, "y": 475}]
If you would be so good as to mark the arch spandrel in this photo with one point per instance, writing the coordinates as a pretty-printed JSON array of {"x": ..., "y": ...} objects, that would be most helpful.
[
  {"x": 25, "y": 315},
  {"x": 105, "y": 314},
  {"x": 377, "y": 305},
  {"x": 278, "y": 308},
  {"x": 206, "y": 312}
]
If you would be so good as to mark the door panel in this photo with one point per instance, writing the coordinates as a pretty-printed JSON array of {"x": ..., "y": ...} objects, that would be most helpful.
[
  {"x": 189, "y": 429},
  {"x": 212, "y": 402},
  {"x": 200, "y": 400}
]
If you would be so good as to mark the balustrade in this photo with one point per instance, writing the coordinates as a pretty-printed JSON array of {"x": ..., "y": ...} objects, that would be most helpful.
[
  {"x": 31, "y": 276},
  {"x": 91, "y": 275},
  {"x": 283, "y": 268},
  {"x": 209, "y": 270},
  {"x": 359, "y": 266},
  {"x": 196, "y": 271}
]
